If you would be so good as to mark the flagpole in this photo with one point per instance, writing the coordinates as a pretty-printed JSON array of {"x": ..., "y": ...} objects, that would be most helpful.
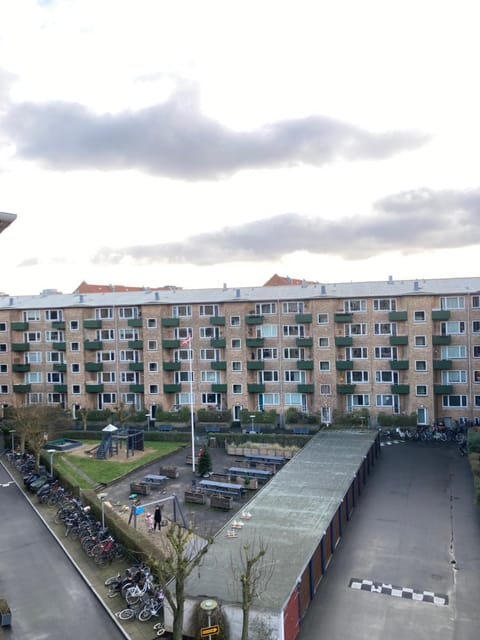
[{"x": 192, "y": 421}]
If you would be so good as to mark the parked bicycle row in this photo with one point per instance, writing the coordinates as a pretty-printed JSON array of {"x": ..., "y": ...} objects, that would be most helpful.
[{"x": 426, "y": 434}]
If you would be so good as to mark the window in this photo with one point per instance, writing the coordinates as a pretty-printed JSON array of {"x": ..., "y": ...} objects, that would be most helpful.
[
  {"x": 153, "y": 367},
  {"x": 386, "y": 377},
  {"x": 385, "y": 353},
  {"x": 325, "y": 389},
  {"x": 455, "y": 376},
  {"x": 475, "y": 302},
  {"x": 74, "y": 346},
  {"x": 272, "y": 399},
  {"x": 108, "y": 398},
  {"x": 128, "y": 313},
  {"x": 76, "y": 389},
  {"x": 267, "y": 354},
  {"x": 265, "y": 308},
  {"x": 323, "y": 343},
  {"x": 324, "y": 365},
  {"x": 54, "y": 356},
  {"x": 235, "y": 321},
  {"x": 476, "y": 376},
  {"x": 105, "y": 356},
  {"x": 322, "y": 318},
  {"x": 75, "y": 367},
  {"x": 236, "y": 343},
  {"x": 356, "y": 329},
  {"x": 152, "y": 345},
  {"x": 236, "y": 365},
  {"x": 211, "y": 398},
  {"x": 33, "y": 377},
  {"x": 208, "y": 332},
  {"x": 385, "y": 329},
  {"x": 54, "y": 336},
  {"x": 384, "y": 400},
  {"x": 420, "y": 341},
  {"x": 54, "y": 398},
  {"x": 421, "y": 390},
  {"x": 236, "y": 388},
  {"x": 476, "y": 401},
  {"x": 128, "y": 355},
  {"x": 355, "y": 306},
  {"x": 385, "y": 304},
  {"x": 420, "y": 365},
  {"x": 3, "y": 347},
  {"x": 33, "y": 357},
  {"x": 54, "y": 315},
  {"x": 209, "y": 310},
  {"x": 476, "y": 351},
  {"x": 35, "y": 398},
  {"x": 293, "y": 307},
  {"x": 209, "y": 354},
  {"x": 294, "y": 376},
  {"x": 359, "y": 400},
  {"x": 31, "y": 316},
  {"x": 153, "y": 389},
  {"x": 182, "y": 311},
  {"x": 151, "y": 323},
  {"x": 126, "y": 377},
  {"x": 267, "y": 331},
  {"x": 454, "y": 352},
  {"x": 295, "y": 399},
  {"x": 74, "y": 325},
  {"x": 105, "y": 334},
  {"x": 293, "y": 330},
  {"x": 184, "y": 398},
  {"x": 3, "y": 368},
  {"x": 356, "y": 353},
  {"x": 419, "y": 316},
  {"x": 452, "y": 328},
  {"x": 54, "y": 377},
  {"x": 452, "y": 302},
  {"x": 207, "y": 375},
  {"x": 268, "y": 376},
  {"x": 32, "y": 336},
  {"x": 454, "y": 402},
  {"x": 183, "y": 354},
  {"x": 3, "y": 327},
  {"x": 109, "y": 377},
  {"x": 104, "y": 314},
  {"x": 353, "y": 377},
  {"x": 128, "y": 334},
  {"x": 476, "y": 326},
  {"x": 183, "y": 332},
  {"x": 294, "y": 353},
  {"x": 3, "y": 388}
]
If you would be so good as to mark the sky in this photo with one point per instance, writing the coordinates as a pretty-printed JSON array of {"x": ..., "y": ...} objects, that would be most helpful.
[{"x": 209, "y": 143}]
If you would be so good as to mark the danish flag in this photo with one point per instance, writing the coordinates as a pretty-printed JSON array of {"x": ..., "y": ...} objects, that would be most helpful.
[{"x": 186, "y": 341}]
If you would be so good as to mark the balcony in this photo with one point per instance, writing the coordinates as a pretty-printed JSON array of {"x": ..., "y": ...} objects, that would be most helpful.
[
  {"x": 399, "y": 340},
  {"x": 20, "y": 346},
  {"x": 255, "y": 365},
  {"x": 135, "y": 366},
  {"x": 60, "y": 366},
  {"x": 137, "y": 388},
  {"x": 92, "y": 324},
  {"x": 397, "y": 316},
  {"x": 60, "y": 388},
  {"x": 135, "y": 344},
  {"x": 400, "y": 389},
  {"x": 345, "y": 388},
  {"x": 254, "y": 342},
  {"x": 19, "y": 326},
  {"x": 219, "y": 365},
  {"x": 252, "y": 319},
  {"x": 343, "y": 317},
  {"x": 219, "y": 388},
  {"x": 170, "y": 322},
  {"x": 218, "y": 321},
  {"x": 58, "y": 324},
  {"x": 255, "y": 388},
  {"x": 343, "y": 341},
  {"x": 399, "y": 365},
  {"x": 304, "y": 342},
  {"x": 219, "y": 343},
  {"x": 94, "y": 366},
  {"x": 441, "y": 314},
  {"x": 441, "y": 339},
  {"x": 59, "y": 346},
  {"x": 94, "y": 388},
  {"x": 93, "y": 345},
  {"x": 171, "y": 366},
  {"x": 442, "y": 364},
  {"x": 172, "y": 388},
  {"x": 442, "y": 389},
  {"x": 303, "y": 318},
  {"x": 134, "y": 322},
  {"x": 305, "y": 364},
  {"x": 20, "y": 368},
  {"x": 305, "y": 388},
  {"x": 344, "y": 365},
  {"x": 170, "y": 344},
  {"x": 22, "y": 388}
]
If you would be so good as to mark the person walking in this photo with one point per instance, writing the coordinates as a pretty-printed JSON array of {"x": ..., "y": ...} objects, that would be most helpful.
[{"x": 157, "y": 518}]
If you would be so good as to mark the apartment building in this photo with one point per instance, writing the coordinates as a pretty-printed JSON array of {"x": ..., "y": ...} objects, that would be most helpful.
[{"x": 397, "y": 346}]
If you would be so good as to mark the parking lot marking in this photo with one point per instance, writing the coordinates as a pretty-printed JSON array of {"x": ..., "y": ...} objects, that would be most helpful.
[{"x": 399, "y": 592}]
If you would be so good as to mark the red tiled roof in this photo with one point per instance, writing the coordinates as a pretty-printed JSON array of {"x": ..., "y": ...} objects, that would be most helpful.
[
  {"x": 279, "y": 281},
  {"x": 84, "y": 287}
]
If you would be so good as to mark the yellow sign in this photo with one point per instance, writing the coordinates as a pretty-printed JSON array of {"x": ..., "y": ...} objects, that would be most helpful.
[{"x": 209, "y": 631}]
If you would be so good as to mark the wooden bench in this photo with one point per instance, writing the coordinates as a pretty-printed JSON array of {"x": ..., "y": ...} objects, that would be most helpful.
[
  {"x": 221, "y": 502},
  {"x": 196, "y": 497},
  {"x": 169, "y": 471},
  {"x": 140, "y": 488}
]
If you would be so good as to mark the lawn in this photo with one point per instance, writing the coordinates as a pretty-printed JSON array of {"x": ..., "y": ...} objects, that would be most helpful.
[{"x": 75, "y": 464}]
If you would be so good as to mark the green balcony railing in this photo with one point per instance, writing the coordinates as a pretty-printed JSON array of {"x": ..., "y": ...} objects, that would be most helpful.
[
  {"x": 19, "y": 326},
  {"x": 398, "y": 340},
  {"x": 255, "y": 365},
  {"x": 94, "y": 388},
  {"x": 22, "y": 388},
  {"x": 343, "y": 365},
  {"x": 304, "y": 364},
  {"x": 60, "y": 366},
  {"x": 252, "y": 319},
  {"x": 58, "y": 324},
  {"x": 93, "y": 345},
  {"x": 172, "y": 388},
  {"x": 170, "y": 344},
  {"x": 137, "y": 388},
  {"x": 20, "y": 346},
  {"x": 94, "y": 366},
  {"x": 345, "y": 388},
  {"x": 442, "y": 364},
  {"x": 343, "y": 317},
  {"x": 400, "y": 389},
  {"x": 304, "y": 342},
  {"x": 171, "y": 366},
  {"x": 219, "y": 365},
  {"x": 441, "y": 339},
  {"x": 218, "y": 343},
  {"x": 135, "y": 366},
  {"x": 60, "y": 388},
  {"x": 218, "y": 321},
  {"x": 441, "y": 314},
  {"x": 255, "y": 342},
  {"x": 219, "y": 388},
  {"x": 255, "y": 388},
  {"x": 305, "y": 388},
  {"x": 135, "y": 344},
  {"x": 343, "y": 341},
  {"x": 396, "y": 316},
  {"x": 20, "y": 368},
  {"x": 59, "y": 346},
  {"x": 443, "y": 389},
  {"x": 170, "y": 322},
  {"x": 92, "y": 324},
  {"x": 303, "y": 318},
  {"x": 134, "y": 322},
  {"x": 399, "y": 365}
]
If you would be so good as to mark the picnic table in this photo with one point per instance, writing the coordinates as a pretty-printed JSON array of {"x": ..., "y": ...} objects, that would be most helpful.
[
  {"x": 223, "y": 488},
  {"x": 245, "y": 472},
  {"x": 153, "y": 480}
]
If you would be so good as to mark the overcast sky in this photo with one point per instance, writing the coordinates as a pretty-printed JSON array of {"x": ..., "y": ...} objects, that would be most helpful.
[{"x": 192, "y": 143}]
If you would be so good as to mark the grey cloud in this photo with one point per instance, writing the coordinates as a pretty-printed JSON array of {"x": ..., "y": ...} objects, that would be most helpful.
[
  {"x": 175, "y": 139},
  {"x": 410, "y": 222}
]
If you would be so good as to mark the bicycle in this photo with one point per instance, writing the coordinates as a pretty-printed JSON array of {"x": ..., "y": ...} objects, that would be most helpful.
[
  {"x": 159, "y": 627},
  {"x": 152, "y": 607}
]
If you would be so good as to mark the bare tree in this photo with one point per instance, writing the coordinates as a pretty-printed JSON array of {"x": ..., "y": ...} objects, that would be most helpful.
[
  {"x": 254, "y": 574},
  {"x": 35, "y": 424},
  {"x": 82, "y": 413},
  {"x": 186, "y": 552}
]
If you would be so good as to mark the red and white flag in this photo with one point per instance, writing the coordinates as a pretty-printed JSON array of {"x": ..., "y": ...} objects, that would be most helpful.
[{"x": 186, "y": 341}]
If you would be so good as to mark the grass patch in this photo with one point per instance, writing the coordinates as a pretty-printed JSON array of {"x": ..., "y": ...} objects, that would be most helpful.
[{"x": 111, "y": 469}]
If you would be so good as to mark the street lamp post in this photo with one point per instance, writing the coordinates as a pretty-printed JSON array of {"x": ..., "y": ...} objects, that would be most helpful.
[
  {"x": 12, "y": 433},
  {"x": 147, "y": 416},
  {"x": 209, "y": 606},
  {"x": 252, "y": 418},
  {"x": 52, "y": 452},
  {"x": 102, "y": 497}
]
